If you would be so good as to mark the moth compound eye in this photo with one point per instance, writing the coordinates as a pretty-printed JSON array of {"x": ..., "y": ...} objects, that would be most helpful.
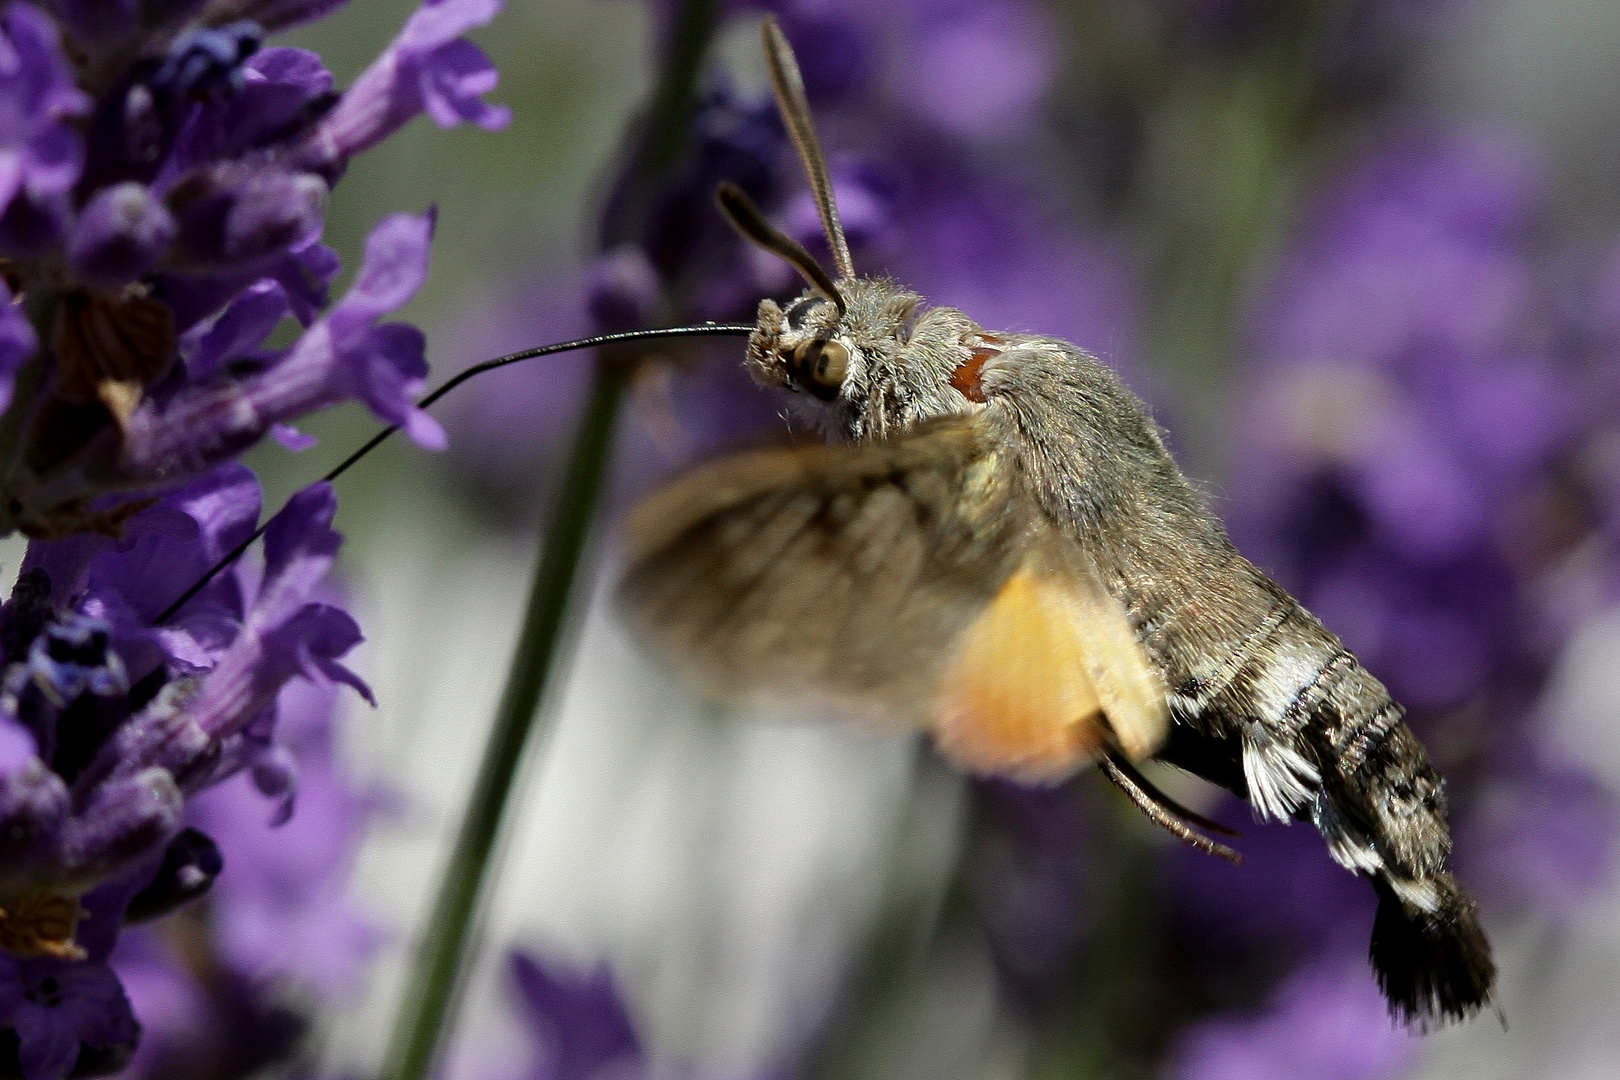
[
  {"x": 819, "y": 365},
  {"x": 801, "y": 308}
]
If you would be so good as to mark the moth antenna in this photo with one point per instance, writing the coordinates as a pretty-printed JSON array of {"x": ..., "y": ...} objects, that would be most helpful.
[
  {"x": 795, "y": 109},
  {"x": 748, "y": 220},
  {"x": 1164, "y": 811},
  {"x": 702, "y": 330}
]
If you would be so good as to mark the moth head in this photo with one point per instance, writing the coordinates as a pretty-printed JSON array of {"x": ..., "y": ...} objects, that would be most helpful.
[{"x": 816, "y": 345}]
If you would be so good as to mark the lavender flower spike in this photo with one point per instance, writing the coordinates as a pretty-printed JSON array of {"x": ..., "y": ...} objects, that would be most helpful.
[
  {"x": 345, "y": 354},
  {"x": 429, "y": 67}
]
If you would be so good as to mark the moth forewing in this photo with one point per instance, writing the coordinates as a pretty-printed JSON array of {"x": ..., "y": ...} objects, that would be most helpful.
[{"x": 835, "y": 574}]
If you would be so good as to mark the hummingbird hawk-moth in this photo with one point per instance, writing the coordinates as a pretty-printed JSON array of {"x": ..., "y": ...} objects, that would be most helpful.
[{"x": 996, "y": 546}]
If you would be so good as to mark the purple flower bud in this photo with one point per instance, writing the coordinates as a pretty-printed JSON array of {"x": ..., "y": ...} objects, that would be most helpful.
[
  {"x": 125, "y": 820},
  {"x": 429, "y": 67},
  {"x": 238, "y": 219},
  {"x": 120, "y": 235},
  {"x": 34, "y": 807}
]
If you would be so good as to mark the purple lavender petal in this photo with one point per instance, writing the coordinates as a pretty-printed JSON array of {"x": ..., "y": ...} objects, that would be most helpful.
[
  {"x": 384, "y": 366},
  {"x": 342, "y": 356},
  {"x": 55, "y": 1006},
  {"x": 292, "y": 438},
  {"x": 323, "y": 633},
  {"x": 38, "y": 152},
  {"x": 427, "y": 67},
  {"x": 48, "y": 1044},
  {"x": 306, "y": 274},
  {"x": 275, "y": 776},
  {"x": 120, "y": 235},
  {"x": 281, "y": 66},
  {"x": 172, "y": 1007},
  {"x": 170, "y": 546},
  {"x": 285, "y": 633},
  {"x": 577, "y": 1017},
  {"x": 239, "y": 330},
  {"x": 282, "y": 909},
  {"x": 282, "y": 93},
  {"x": 104, "y": 908},
  {"x": 394, "y": 268},
  {"x": 391, "y": 377},
  {"x": 453, "y": 86}
]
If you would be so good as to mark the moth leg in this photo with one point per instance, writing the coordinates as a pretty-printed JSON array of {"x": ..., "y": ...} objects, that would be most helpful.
[
  {"x": 1164, "y": 811},
  {"x": 1186, "y": 813}
]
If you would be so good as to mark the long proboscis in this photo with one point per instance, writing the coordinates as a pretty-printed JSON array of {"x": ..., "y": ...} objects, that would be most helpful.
[{"x": 597, "y": 341}]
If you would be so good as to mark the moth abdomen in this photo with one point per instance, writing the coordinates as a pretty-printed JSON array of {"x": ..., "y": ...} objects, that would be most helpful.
[{"x": 1290, "y": 720}]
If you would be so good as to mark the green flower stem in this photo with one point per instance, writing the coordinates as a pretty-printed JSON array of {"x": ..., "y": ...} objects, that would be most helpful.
[
  {"x": 428, "y": 1009},
  {"x": 436, "y": 978}
]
